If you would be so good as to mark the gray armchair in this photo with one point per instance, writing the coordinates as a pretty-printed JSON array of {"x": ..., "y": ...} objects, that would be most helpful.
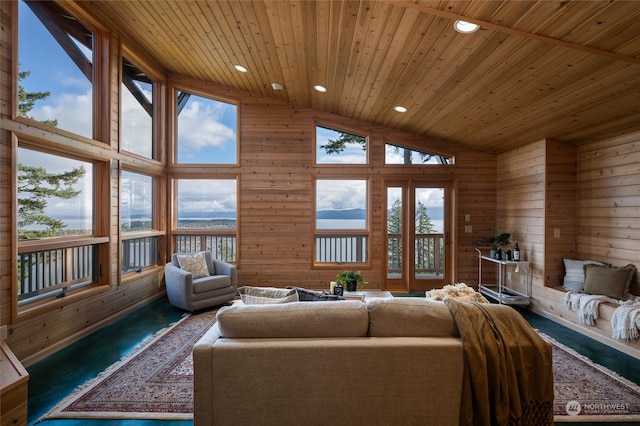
[{"x": 190, "y": 294}]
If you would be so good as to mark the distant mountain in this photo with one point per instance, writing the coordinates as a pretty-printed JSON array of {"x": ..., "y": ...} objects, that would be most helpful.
[{"x": 342, "y": 214}]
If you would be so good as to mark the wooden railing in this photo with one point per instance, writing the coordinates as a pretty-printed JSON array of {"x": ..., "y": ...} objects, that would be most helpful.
[
  {"x": 43, "y": 272},
  {"x": 138, "y": 252},
  {"x": 429, "y": 258},
  {"x": 222, "y": 243},
  {"x": 345, "y": 248}
]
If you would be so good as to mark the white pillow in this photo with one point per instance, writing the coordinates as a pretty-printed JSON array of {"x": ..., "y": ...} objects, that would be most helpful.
[
  {"x": 574, "y": 273},
  {"x": 267, "y": 295},
  {"x": 194, "y": 263}
]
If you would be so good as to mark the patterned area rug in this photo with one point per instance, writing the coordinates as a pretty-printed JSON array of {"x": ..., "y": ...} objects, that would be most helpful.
[
  {"x": 588, "y": 392},
  {"x": 156, "y": 381},
  {"x": 153, "y": 382}
]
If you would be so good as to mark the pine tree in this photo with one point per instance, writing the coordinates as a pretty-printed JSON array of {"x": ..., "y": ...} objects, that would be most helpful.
[{"x": 36, "y": 185}]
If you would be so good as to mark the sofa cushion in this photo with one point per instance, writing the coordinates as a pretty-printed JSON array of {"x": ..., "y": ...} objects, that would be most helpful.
[
  {"x": 409, "y": 317},
  {"x": 612, "y": 282},
  {"x": 194, "y": 263},
  {"x": 266, "y": 295},
  {"x": 574, "y": 273},
  {"x": 347, "y": 318}
]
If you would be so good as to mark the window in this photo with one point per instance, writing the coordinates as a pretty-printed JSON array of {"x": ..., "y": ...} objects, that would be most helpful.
[
  {"x": 206, "y": 217},
  {"x": 55, "y": 195},
  {"x": 337, "y": 147},
  {"x": 341, "y": 221},
  {"x": 137, "y": 110},
  {"x": 57, "y": 249},
  {"x": 395, "y": 154},
  {"x": 55, "y": 53},
  {"x": 207, "y": 130},
  {"x": 139, "y": 246}
]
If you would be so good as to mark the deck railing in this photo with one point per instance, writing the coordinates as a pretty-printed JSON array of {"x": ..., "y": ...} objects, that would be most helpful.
[
  {"x": 138, "y": 253},
  {"x": 345, "y": 248},
  {"x": 223, "y": 245},
  {"x": 43, "y": 272},
  {"x": 429, "y": 254}
]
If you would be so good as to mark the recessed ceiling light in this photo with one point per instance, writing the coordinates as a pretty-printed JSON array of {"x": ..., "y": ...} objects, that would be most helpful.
[
  {"x": 320, "y": 88},
  {"x": 276, "y": 86},
  {"x": 240, "y": 68},
  {"x": 465, "y": 27},
  {"x": 400, "y": 108}
]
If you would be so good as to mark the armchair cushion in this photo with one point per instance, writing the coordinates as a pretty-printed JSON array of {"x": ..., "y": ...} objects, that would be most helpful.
[
  {"x": 213, "y": 282},
  {"x": 194, "y": 263}
]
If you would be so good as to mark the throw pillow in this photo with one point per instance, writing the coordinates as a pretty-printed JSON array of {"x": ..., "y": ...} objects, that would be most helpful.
[
  {"x": 574, "y": 273},
  {"x": 611, "y": 282},
  {"x": 195, "y": 263},
  {"x": 305, "y": 295},
  {"x": 267, "y": 295}
]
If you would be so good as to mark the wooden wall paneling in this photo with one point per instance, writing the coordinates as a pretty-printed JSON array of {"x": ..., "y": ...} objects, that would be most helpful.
[
  {"x": 560, "y": 209},
  {"x": 608, "y": 202},
  {"x": 520, "y": 210}
]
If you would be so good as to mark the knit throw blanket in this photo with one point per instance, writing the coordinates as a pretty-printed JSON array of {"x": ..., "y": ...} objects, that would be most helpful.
[
  {"x": 625, "y": 322},
  {"x": 459, "y": 291},
  {"x": 585, "y": 305}
]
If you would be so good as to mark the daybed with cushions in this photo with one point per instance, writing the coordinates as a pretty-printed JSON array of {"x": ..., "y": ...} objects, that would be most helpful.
[{"x": 386, "y": 361}]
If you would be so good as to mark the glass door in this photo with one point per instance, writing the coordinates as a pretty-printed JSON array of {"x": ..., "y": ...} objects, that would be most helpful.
[{"x": 417, "y": 235}]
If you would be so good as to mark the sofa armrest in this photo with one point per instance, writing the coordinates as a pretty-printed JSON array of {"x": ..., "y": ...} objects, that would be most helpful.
[{"x": 203, "y": 381}]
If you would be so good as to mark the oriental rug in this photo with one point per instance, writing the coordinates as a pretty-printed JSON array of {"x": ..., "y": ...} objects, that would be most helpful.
[
  {"x": 156, "y": 382},
  {"x": 588, "y": 392}
]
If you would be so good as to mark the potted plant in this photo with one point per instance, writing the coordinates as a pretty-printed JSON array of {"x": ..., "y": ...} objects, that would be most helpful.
[
  {"x": 496, "y": 242},
  {"x": 350, "y": 280}
]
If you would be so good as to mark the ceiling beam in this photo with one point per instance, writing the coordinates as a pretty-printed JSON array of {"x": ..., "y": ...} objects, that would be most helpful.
[{"x": 513, "y": 31}]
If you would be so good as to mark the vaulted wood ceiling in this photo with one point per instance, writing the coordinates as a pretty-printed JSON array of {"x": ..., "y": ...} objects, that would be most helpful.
[{"x": 565, "y": 70}]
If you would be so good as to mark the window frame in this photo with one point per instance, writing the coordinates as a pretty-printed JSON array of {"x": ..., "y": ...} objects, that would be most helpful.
[
  {"x": 100, "y": 67},
  {"x": 173, "y": 119},
  {"x": 339, "y": 233},
  {"x": 340, "y": 129},
  {"x": 100, "y": 237},
  {"x": 203, "y": 234}
]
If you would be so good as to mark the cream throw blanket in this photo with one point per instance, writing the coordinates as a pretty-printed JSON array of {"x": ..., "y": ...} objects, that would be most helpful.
[
  {"x": 625, "y": 322},
  {"x": 459, "y": 291},
  {"x": 508, "y": 371},
  {"x": 585, "y": 305}
]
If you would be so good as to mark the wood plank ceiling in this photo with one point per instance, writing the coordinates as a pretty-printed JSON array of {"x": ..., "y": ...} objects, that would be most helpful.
[{"x": 565, "y": 70}]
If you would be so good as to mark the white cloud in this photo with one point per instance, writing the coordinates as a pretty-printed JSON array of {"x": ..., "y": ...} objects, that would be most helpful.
[{"x": 200, "y": 126}]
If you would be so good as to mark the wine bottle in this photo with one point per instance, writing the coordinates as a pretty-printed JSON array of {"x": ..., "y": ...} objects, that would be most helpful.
[{"x": 516, "y": 253}]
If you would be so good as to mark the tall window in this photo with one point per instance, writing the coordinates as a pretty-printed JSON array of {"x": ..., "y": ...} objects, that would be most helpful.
[
  {"x": 139, "y": 246},
  {"x": 137, "y": 110},
  {"x": 55, "y": 53},
  {"x": 337, "y": 147},
  {"x": 395, "y": 154},
  {"x": 207, "y": 130},
  {"x": 341, "y": 221},
  {"x": 207, "y": 217},
  {"x": 55, "y": 207}
]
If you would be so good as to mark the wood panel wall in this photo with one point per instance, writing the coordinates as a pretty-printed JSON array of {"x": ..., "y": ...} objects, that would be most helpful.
[
  {"x": 276, "y": 175},
  {"x": 582, "y": 203}
]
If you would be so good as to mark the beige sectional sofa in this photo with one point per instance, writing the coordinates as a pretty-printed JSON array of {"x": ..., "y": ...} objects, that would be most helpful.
[{"x": 379, "y": 362}]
